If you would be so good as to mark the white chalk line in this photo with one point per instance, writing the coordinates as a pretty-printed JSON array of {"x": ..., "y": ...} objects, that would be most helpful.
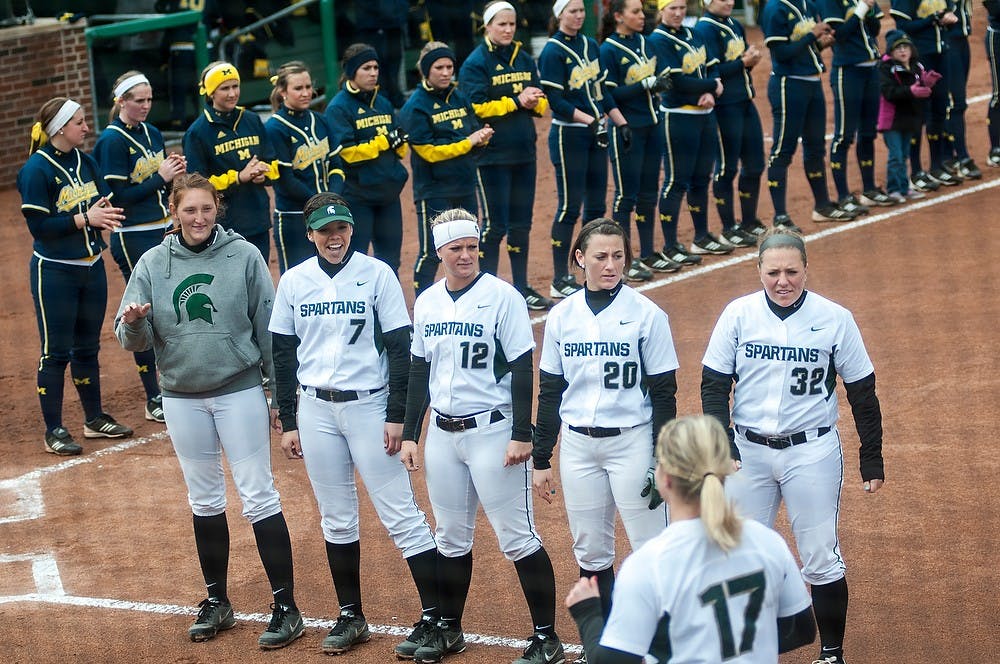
[
  {"x": 837, "y": 227},
  {"x": 260, "y": 618}
]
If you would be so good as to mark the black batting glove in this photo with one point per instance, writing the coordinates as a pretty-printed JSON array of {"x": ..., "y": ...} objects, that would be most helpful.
[
  {"x": 664, "y": 82},
  {"x": 600, "y": 129},
  {"x": 625, "y": 133},
  {"x": 396, "y": 138},
  {"x": 649, "y": 490}
]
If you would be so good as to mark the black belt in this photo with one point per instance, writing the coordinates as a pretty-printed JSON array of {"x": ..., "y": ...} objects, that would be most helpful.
[
  {"x": 341, "y": 396},
  {"x": 464, "y": 423},
  {"x": 597, "y": 432},
  {"x": 781, "y": 442}
]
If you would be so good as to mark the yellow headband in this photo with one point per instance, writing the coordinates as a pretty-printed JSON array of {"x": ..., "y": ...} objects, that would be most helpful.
[
  {"x": 216, "y": 76},
  {"x": 663, "y": 3}
]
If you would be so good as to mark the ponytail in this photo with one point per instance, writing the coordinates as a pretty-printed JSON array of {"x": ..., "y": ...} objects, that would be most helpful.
[{"x": 694, "y": 451}]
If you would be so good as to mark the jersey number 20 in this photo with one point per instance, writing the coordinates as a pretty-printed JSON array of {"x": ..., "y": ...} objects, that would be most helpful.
[{"x": 718, "y": 595}]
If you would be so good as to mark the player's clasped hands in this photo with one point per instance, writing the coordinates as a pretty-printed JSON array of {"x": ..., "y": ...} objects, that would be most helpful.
[
  {"x": 481, "y": 136},
  {"x": 172, "y": 166},
  {"x": 253, "y": 172},
  {"x": 529, "y": 97},
  {"x": 104, "y": 216}
]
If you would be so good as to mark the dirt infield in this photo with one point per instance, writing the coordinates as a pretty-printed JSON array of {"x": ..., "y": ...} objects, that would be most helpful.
[{"x": 97, "y": 560}]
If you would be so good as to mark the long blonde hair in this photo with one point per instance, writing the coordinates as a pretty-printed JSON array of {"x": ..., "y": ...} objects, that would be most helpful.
[{"x": 694, "y": 450}]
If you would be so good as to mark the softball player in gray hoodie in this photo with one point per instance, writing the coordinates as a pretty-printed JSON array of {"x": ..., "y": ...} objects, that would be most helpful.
[{"x": 202, "y": 300}]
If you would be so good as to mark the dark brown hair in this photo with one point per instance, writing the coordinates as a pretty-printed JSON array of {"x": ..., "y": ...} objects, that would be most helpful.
[{"x": 600, "y": 226}]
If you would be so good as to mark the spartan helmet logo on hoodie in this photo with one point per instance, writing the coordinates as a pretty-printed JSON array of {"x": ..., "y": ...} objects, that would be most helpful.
[{"x": 197, "y": 304}]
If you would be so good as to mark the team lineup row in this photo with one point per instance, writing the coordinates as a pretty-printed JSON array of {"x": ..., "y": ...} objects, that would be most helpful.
[{"x": 474, "y": 380}]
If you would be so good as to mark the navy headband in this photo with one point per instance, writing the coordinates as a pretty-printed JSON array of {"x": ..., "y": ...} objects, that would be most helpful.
[
  {"x": 433, "y": 56},
  {"x": 353, "y": 64},
  {"x": 779, "y": 240}
]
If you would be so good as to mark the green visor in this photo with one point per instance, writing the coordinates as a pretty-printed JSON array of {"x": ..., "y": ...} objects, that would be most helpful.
[{"x": 328, "y": 214}]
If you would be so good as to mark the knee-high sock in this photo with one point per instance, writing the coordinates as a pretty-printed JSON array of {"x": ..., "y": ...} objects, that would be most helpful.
[
  {"x": 275, "y": 549},
  {"x": 749, "y": 192},
  {"x": 606, "y": 584},
  {"x": 453, "y": 578},
  {"x": 539, "y": 586},
  {"x": 87, "y": 380},
  {"x": 562, "y": 239},
  {"x": 211, "y": 537},
  {"x": 145, "y": 364},
  {"x": 345, "y": 567},
  {"x": 490, "y": 260},
  {"x": 517, "y": 252},
  {"x": 51, "y": 382},
  {"x": 423, "y": 569},
  {"x": 830, "y": 607}
]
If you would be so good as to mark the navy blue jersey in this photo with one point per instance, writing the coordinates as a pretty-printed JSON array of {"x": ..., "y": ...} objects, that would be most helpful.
[
  {"x": 787, "y": 26},
  {"x": 359, "y": 122},
  {"x": 219, "y": 146},
  {"x": 572, "y": 77},
  {"x": 725, "y": 41},
  {"x": 918, "y": 19},
  {"x": 129, "y": 156},
  {"x": 993, "y": 14},
  {"x": 963, "y": 10},
  {"x": 307, "y": 158},
  {"x": 855, "y": 39},
  {"x": 682, "y": 52},
  {"x": 439, "y": 123},
  {"x": 54, "y": 186},
  {"x": 627, "y": 61},
  {"x": 492, "y": 77}
]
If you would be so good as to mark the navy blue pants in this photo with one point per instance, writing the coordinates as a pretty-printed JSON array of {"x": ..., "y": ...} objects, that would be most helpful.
[
  {"x": 935, "y": 114},
  {"x": 957, "y": 78},
  {"x": 70, "y": 301},
  {"x": 506, "y": 198},
  {"x": 425, "y": 269},
  {"x": 992, "y": 42},
  {"x": 741, "y": 150},
  {"x": 855, "y": 113},
  {"x": 691, "y": 141},
  {"x": 378, "y": 224},
  {"x": 581, "y": 179},
  {"x": 637, "y": 182},
  {"x": 126, "y": 248},
  {"x": 290, "y": 240},
  {"x": 799, "y": 111}
]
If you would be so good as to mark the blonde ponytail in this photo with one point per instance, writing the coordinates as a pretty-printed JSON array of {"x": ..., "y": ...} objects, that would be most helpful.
[{"x": 694, "y": 451}]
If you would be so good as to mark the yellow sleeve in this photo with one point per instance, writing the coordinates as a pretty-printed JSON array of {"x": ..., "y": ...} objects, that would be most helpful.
[
  {"x": 403, "y": 150},
  {"x": 542, "y": 108},
  {"x": 365, "y": 151},
  {"x": 224, "y": 181},
  {"x": 272, "y": 171},
  {"x": 495, "y": 108},
  {"x": 436, "y": 153}
]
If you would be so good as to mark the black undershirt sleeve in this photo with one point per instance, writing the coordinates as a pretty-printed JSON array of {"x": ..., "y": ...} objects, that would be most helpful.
[
  {"x": 397, "y": 349},
  {"x": 550, "y": 393},
  {"x": 590, "y": 621},
  {"x": 521, "y": 383},
  {"x": 715, "y": 389},
  {"x": 417, "y": 397},
  {"x": 796, "y": 631},
  {"x": 286, "y": 365},
  {"x": 663, "y": 395},
  {"x": 868, "y": 420}
]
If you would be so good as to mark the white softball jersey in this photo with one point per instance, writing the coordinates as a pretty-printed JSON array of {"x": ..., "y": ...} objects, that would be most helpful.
[
  {"x": 340, "y": 321},
  {"x": 604, "y": 357},
  {"x": 468, "y": 342},
  {"x": 786, "y": 370},
  {"x": 681, "y": 589}
]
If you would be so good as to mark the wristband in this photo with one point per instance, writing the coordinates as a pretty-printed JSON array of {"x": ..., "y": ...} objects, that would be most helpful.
[{"x": 86, "y": 220}]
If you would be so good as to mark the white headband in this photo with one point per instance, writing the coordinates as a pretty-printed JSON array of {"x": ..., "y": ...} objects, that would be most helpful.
[
  {"x": 128, "y": 84},
  {"x": 457, "y": 229},
  {"x": 495, "y": 9},
  {"x": 558, "y": 6},
  {"x": 66, "y": 111}
]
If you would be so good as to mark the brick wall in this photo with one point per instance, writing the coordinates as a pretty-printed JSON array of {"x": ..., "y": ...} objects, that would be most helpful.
[{"x": 37, "y": 62}]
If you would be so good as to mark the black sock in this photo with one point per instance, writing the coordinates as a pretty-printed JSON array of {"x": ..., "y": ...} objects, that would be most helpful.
[
  {"x": 517, "y": 251},
  {"x": 606, "y": 584},
  {"x": 453, "y": 578},
  {"x": 275, "y": 549},
  {"x": 830, "y": 607},
  {"x": 211, "y": 537},
  {"x": 423, "y": 568},
  {"x": 50, "y": 395},
  {"x": 87, "y": 380},
  {"x": 489, "y": 259},
  {"x": 145, "y": 364},
  {"x": 562, "y": 240},
  {"x": 539, "y": 585},
  {"x": 345, "y": 567}
]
